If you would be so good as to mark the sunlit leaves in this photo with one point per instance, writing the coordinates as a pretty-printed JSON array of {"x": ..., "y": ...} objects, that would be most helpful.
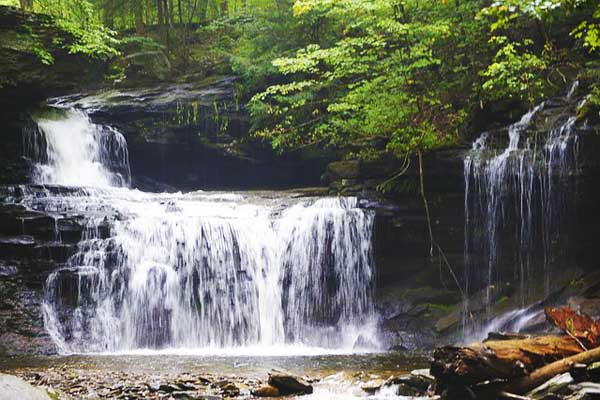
[
  {"x": 515, "y": 72},
  {"x": 80, "y": 19},
  {"x": 380, "y": 79}
]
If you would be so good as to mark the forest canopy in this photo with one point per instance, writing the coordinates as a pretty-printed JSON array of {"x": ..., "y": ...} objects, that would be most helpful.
[{"x": 368, "y": 77}]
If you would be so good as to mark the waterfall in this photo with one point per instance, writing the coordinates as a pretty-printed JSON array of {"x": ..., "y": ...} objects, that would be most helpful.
[
  {"x": 70, "y": 150},
  {"x": 207, "y": 271},
  {"x": 518, "y": 203},
  {"x": 201, "y": 270}
]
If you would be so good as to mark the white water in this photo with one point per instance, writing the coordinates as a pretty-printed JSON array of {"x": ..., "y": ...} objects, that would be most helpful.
[
  {"x": 517, "y": 206},
  {"x": 73, "y": 151},
  {"x": 209, "y": 273}
]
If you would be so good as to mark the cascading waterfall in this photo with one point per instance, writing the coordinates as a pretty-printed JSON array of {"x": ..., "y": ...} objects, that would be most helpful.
[
  {"x": 198, "y": 270},
  {"x": 518, "y": 203},
  {"x": 70, "y": 150},
  {"x": 334, "y": 256}
]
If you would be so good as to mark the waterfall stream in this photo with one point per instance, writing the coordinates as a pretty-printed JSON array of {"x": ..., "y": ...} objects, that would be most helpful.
[
  {"x": 519, "y": 202},
  {"x": 201, "y": 270},
  {"x": 71, "y": 150}
]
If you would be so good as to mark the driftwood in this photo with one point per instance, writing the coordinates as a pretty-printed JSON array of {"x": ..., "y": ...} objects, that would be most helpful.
[
  {"x": 541, "y": 375},
  {"x": 502, "y": 359},
  {"x": 514, "y": 366}
]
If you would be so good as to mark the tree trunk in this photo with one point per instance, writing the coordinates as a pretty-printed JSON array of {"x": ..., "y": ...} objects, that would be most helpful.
[
  {"x": 171, "y": 10},
  {"x": 224, "y": 8},
  {"x": 203, "y": 11},
  {"x": 26, "y": 4},
  {"x": 161, "y": 20},
  {"x": 499, "y": 359},
  {"x": 138, "y": 12},
  {"x": 109, "y": 13},
  {"x": 179, "y": 12}
]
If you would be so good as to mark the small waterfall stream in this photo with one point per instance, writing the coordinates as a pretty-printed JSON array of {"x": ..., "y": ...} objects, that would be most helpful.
[
  {"x": 71, "y": 150},
  {"x": 199, "y": 270},
  {"x": 519, "y": 204}
]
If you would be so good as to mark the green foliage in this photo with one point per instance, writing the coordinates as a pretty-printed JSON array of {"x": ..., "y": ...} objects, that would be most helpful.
[
  {"x": 589, "y": 32},
  {"x": 379, "y": 76},
  {"x": 80, "y": 20},
  {"x": 371, "y": 78},
  {"x": 94, "y": 41},
  {"x": 527, "y": 54},
  {"x": 515, "y": 72},
  {"x": 142, "y": 43}
]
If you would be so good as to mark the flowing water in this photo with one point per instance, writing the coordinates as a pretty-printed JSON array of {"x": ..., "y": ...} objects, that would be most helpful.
[
  {"x": 201, "y": 272},
  {"x": 95, "y": 156},
  {"x": 519, "y": 204}
]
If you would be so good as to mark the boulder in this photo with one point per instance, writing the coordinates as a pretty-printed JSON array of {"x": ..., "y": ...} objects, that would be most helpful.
[
  {"x": 410, "y": 385},
  {"x": 12, "y": 388},
  {"x": 289, "y": 384}
]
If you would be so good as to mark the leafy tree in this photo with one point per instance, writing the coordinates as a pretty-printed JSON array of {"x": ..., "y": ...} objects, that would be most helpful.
[{"x": 383, "y": 78}]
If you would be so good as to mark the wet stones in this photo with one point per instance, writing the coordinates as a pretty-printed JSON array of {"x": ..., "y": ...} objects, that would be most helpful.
[
  {"x": 289, "y": 384},
  {"x": 126, "y": 385},
  {"x": 372, "y": 386},
  {"x": 227, "y": 388},
  {"x": 416, "y": 383}
]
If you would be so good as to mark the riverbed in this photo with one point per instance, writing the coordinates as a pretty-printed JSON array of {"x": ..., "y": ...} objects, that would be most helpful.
[{"x": 156, "y": 374}]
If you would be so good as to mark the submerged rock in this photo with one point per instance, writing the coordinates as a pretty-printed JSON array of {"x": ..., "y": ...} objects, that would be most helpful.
[{"x": 415, "y": 384}]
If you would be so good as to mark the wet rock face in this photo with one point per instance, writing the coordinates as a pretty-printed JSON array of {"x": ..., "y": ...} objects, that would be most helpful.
[
  {"x": 30, "y": 250},
  {"x": 418, "y": 297},
  {"x": 21, "y": 319},
  {"x": 15, "y": 168}
]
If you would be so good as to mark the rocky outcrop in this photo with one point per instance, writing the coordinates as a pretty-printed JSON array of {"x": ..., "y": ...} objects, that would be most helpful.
[
  {"x": 288, "y": 384},
  {"x": 194, "y": 136},
  {"x": 30, "y": 250}
]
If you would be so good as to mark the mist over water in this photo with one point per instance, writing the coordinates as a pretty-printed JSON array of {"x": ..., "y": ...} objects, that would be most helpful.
[{"x": 220, "y": 273}]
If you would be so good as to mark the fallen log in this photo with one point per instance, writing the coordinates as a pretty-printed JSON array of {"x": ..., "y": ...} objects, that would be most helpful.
[
  {"x": 499, "y": 360},
  {"x": 543, "y": 374}
]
